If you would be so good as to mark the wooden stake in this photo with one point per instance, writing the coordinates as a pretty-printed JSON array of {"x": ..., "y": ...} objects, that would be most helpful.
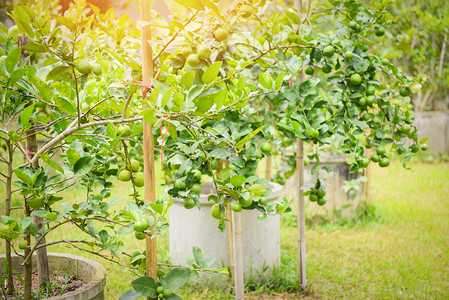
[
  {"x": 301, "y": 214},
  {"x": 368, "y": 177},
  {"x": 148, "y": 140},
  {"x": 239, "y": 282}
]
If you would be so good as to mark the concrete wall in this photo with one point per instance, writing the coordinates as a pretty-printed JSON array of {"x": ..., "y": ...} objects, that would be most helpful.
[
  {"x": 338, "y": 201},
  {"x": 435, "y": 125}
]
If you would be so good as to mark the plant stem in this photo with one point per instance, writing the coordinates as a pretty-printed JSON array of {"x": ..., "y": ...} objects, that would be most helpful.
[{"x": 9, "y": 280}]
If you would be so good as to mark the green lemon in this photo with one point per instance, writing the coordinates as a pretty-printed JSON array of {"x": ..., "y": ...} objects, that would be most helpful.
[
  {"x": 189, "y": 203},
  {"x": 364, "y": 162},
  {"x": 135, "y": 165},
  {"x": 380, "y": 150},
  {"x": 236, "y": 206},
  {"x": 124, "y": 175},
  {"x": 22, "y": 245},
  {"x": 96, "y": 68},
  {"x": 215, "y": 211},
  {"x": 310, "y": 70},
  {"x": 355, "y": 79},
  {"x": 124, "y": 130},
  {"x": 186, "y": 51},
  {"x": 370, "y": 90},
  {"x": 141, "y": 225},
  {"x": 404, "y": 91},
  {"x": 379, "y": 31},
  {"x": 246, "y": 11},
  {"x": 195, "y": 189},
  {"x": 326, "y": 68},
  {"x": 193, "y": 60},
  {"x": 329, "y": 51},
  {"x": 221, "y": 34},
  {"x": 424, "y": 147},
  {"x": 180, "y": 184},
  {"x": 375, "y": 158},
  {"x": 196, "y": 174},
  {"x": 321, "y": 201},
  {"x": 245, "y": 202},
  {"x": 321, "y": 193},
  {"x": 384, "y": 162},
  {"x": 139, "y": 179},
  {"x": 139, "y": 235},
  {"x": 83, "y": 67},
  {"x": 204, "y": 52},
  {"x": 266, "y": 147},
  {"x": 313, "y": 197}
]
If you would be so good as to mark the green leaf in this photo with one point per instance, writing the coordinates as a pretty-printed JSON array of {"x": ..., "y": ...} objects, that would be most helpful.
[
  {"x": 257, "y": 189},
  {"x": 187, "y": 79},
  {"x": 51, "y": 163},
  {"x": 423, "y": 140},
  {"x": 203, "y": 104},
  {"x": 15, "y": 76},
  {"x": 130, "y": 295},
  {"x": 148, "y": 116},
  {"x": 83, "y": 165},
  {"x": 177, "y": 278},
  {"x": 12, "y": 59},
  {"x": 22, "y": 20},
  {"x": 198, "y": 256},
  {"x": 65, "y": 106},
  {"x": 294, "y": 17},
  {"x": 294, "y": 64},
  {"x": 246, "y": 139},
  {"x": 195, "y": 4},
  {"x": 23, "y": 176},
  {"x": 72, "y": 156},
  {"x": 237, "y": 180},
  {"x": 157, "y": 208},
  {"x": 167, "y": 96},
  {"x": 66, "y": 22},
  {"x": 55, "y": 72},
  {"x": 266, "y": 81},
  {"x": 212, "y": 72},
  {"x": 279, "y": 81},
  {"x": 33, "y": 47},
  {"x": 26, "y": 115},
  {"x": 145, "y": 286},
  {"x": 111, "y": 131},
  {"x": 241, "y": 84}
]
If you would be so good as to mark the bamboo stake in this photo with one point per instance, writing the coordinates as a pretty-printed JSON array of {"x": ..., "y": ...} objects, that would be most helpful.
[
  {"x": 268, "y": 168},
  {"x": 301, "y": 214},
  {"x": 231, "y": 241},
  {"x": 239, "y": 281},
  {"x": 368, "y": 177},
  {"x": 148, "y": 140}
]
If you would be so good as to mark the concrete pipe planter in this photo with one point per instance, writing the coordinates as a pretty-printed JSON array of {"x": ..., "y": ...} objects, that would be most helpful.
[
  {"x": 338, "y": 201},
  {"x": 189, "y": 228},
  {"x": 91, "y": 272}
]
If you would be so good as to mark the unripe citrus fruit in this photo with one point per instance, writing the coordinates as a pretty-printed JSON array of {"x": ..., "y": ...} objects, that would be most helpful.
[
  {"x": 204, "y": 52},
  {"x": 245, "y": 202},
  {"x": 310, "y": 70},
  {"x": 328, "y": 51},
  {"x": 196, "y": 174},
  {"x": 139, "y": 235},
  {"x": 96, "y": 68},
  {"x": 193, "y": 60},
  {"x": 124, "y": 130},
  {"x": 180, "y": 184},
  {"x": 375, "y": 158},
  {"x": 355, "y": 79},
  {"x": 404, "y": 91},
  {"x": 266, "y": 147},
  {"x": 326, "y": 68},
  {"x": 384, "y": 162},
  {"x": 313, "y": 197},
  {"x": 83, "y": 67},
  {"x": 186, "y": 51},
  {"x": 22, "y": 245},
  {"x": 370, "y": 90},
  {"x": 135, "y": 165},
  {"x": 215, "y": 211},
  {"x": 235, "y": 206},
  {"x": 124, "y": 175},
  {"x": 141, "y": 225},
  {"x": 189, "y": 203},
  {"x": 246, "y": 11},
  {"x": 424, "y": 147},
  {"x": 379, "y": 31},
  {"x": 380, "y": 150},
  {"x": 221, "y": 34},
  {"x": 139, "y": 179},
  {"x": 321, "y": 201}
]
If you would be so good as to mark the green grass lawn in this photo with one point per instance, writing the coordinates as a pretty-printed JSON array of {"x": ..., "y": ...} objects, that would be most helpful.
[{"x": 403, "y": 254}]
